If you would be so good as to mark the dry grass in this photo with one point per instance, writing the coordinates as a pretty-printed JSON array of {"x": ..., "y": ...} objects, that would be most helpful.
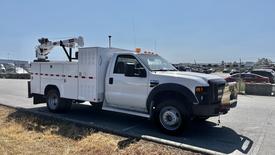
[{"x": 22, "y": 133}]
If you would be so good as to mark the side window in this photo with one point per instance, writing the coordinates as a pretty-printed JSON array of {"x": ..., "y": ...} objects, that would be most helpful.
[{"x": 122, "y": 60}]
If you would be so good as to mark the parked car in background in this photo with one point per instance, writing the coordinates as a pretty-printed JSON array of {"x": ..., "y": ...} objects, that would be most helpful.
[
  {"x": 212, "y": 70},
  {"x": 183, "y": 68},
  {"x": 272, "y": 68},
  {"x": 2, "y": 68},
  {"x": 247, "y": 77},
  {"x": 10, "y": 68},
  {"x": 226, "y": 70},
  {"x": 266, "y": 73},
  {"x": 234, "y": 71},
  {"x": 206, "y": 71}
]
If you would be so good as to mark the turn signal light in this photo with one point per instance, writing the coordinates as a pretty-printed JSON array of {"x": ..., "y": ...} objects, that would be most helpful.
[{"x": 199, "y": 89}]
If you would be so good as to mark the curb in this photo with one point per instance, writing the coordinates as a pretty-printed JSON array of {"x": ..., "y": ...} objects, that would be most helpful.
[{"x": 116, "y": 132}]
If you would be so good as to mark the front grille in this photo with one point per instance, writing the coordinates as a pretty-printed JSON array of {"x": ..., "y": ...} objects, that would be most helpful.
[{"x": 216, "y": 88}]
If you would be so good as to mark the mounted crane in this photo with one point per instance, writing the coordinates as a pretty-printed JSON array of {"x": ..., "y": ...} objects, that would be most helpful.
[{"x": 46, "y": 46}]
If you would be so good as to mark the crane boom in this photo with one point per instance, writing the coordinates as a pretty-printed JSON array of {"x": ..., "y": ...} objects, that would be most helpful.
[{"x": 46, "y": 46}]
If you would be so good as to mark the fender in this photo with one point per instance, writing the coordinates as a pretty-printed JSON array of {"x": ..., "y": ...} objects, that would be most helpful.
[
  {"x": 186, "y": 92},
  {"x": 50, "y": 86}
]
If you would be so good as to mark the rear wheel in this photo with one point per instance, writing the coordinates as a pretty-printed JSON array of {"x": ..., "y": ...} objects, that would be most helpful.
[
  {"x": 171, "y": 117},
  {"x": 57, "y": 104}
]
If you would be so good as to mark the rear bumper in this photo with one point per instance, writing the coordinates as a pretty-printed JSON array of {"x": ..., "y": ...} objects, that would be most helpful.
[{"x": 37, "y": 98}]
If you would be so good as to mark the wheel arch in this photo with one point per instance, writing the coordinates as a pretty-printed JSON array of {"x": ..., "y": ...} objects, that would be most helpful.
[
  {"x": 49, "y": 87},
  {"x": 169, "y": 91}
]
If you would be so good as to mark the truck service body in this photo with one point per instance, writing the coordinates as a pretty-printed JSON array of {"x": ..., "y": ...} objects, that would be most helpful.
[{"x": 131, "y": 82}]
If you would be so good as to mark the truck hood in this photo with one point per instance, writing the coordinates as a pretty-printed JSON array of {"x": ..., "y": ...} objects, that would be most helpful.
[{"x": 191, "y": 75}]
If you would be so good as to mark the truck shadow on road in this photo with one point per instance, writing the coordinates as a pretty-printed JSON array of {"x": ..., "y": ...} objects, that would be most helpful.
[
  {"x": 210, "y": 136},
  {"x": 207, "y": 135}
]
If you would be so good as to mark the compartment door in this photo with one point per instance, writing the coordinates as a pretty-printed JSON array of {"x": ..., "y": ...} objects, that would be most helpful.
[
  {"x": 35, "y": 78},
  {"x": 86, "y": 75}
]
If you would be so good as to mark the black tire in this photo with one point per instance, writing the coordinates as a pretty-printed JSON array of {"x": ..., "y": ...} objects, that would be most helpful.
[
  {"x": 55, "y": 103},
  {"x": 171, "y": 117}
]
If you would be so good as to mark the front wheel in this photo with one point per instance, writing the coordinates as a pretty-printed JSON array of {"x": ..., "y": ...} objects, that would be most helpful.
[{"x": 171, "y": 117}]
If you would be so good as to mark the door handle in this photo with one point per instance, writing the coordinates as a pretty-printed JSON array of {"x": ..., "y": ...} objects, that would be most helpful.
[{"x": 111, "y": 80}]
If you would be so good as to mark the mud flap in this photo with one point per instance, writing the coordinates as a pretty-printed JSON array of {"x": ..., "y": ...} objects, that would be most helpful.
[
  {"x": 37, "y": 99},
  {"x": 29, "y": 90}
]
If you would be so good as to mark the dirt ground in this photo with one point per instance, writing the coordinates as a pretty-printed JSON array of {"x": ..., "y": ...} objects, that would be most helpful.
[{"x": 23, "y": 133}]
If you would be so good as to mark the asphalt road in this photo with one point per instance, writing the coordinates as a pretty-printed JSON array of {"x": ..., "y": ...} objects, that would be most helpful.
[{"x": 247, "y": 129}]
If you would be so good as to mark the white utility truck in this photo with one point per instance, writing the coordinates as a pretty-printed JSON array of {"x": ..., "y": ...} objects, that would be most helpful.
[{"x": 126, "y": 81}]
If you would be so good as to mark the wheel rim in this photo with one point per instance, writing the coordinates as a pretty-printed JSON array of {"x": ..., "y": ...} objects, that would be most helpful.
[
  {"x": 53, "y": 101},
  {"x": 170, "y": 118}
]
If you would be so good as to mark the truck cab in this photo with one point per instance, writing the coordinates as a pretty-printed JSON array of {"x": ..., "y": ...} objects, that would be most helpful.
[{"x": 141, "y": 84}]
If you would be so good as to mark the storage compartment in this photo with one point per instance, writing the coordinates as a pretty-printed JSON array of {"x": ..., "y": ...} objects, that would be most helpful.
[
  {"x": 92, "y": 66},
  {"x": 81, "y": 80}
]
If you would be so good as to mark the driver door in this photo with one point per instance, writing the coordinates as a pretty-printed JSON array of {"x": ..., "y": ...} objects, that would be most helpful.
[{"x": 126, "y": 92}]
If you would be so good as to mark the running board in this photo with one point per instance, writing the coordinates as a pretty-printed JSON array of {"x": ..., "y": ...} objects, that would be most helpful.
[{"x": 126, "y": 112}]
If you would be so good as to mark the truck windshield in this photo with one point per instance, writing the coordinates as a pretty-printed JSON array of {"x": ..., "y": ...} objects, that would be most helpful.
[{"x": 156, "y": 63}]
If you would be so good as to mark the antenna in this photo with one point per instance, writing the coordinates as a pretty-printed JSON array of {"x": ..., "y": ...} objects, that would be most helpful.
[
  {"x": 110, "y": 41},
  {"x": 155, "y": 45},
  {"x": 134, "y": 33}
]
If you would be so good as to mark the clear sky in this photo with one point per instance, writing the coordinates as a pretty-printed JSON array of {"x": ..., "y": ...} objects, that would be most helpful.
[{"x": 181, "y": 31}]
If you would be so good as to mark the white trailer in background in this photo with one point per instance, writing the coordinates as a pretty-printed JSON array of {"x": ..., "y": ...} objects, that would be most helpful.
[{"x": 142, "y": 84}]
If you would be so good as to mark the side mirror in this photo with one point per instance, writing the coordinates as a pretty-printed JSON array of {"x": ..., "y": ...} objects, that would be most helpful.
[{"x": 131, "y": 71}]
